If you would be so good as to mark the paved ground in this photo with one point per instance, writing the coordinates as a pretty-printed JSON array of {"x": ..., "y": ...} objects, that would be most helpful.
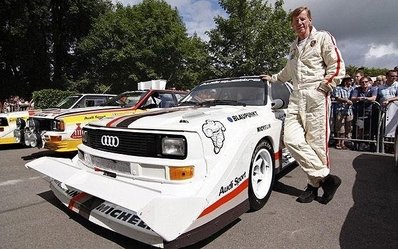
[{"x": 364, "y": 213}]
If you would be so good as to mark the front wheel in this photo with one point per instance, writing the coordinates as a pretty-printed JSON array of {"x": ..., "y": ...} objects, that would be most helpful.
[{"x": 261, "y": 177}]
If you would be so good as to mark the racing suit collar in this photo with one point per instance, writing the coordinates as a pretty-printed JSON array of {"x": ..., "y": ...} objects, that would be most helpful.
[{"x": 309, "y": 38}]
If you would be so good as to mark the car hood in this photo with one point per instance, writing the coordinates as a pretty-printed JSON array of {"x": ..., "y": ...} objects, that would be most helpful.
[
  {"x": 178, "y": 119},
  {"x": 54, "y": 113}
]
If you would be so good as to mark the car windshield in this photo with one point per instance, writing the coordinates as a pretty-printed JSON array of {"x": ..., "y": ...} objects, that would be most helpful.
[
  {"x": 228, "y": 92},
  {"x": 127, "y": 99},
  {"x": 68, "y": 102}
]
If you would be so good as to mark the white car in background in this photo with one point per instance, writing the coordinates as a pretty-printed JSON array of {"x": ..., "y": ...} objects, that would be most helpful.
[{"x": 174, "y": 176}]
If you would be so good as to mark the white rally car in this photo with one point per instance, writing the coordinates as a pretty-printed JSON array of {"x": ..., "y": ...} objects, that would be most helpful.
[{"x": 172, "y": 177}]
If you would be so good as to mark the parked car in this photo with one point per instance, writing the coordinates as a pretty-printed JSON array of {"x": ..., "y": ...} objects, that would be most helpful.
[
  {"x": 8, "y": 121},
  {"x": 62, "y": 131},
  {"x": 172, "y": 177}
]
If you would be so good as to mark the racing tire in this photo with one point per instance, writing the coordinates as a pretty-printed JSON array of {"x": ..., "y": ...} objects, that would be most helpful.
[{"x": 261, "y": 178}]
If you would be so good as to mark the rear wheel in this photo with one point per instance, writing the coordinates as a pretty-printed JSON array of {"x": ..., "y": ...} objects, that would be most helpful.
[{"x": 261, "y": 177}]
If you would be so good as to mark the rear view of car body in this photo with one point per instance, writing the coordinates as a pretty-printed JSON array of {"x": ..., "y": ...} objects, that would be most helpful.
[{"x": 172, "y": 177}]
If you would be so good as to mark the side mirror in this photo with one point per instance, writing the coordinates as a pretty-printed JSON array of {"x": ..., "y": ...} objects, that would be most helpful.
[{"x": 277, "y": 103}]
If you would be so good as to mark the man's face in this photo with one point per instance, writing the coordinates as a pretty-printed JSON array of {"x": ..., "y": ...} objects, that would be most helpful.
[
  {"x": 364, "y": 83},
  {"x": 301, "y": 24},
  {"x": 391, "y": 77},
  {"x": 347, "y": 82},
  {"x": 358, "y": 76}
]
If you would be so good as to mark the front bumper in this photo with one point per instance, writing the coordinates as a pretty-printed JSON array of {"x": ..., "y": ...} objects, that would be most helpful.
[
  {"x": 105, "y": 214},
  {"x": 167, "y": 216},
  {"x": 8, "y": 140},
  {"x": 56, "y": 142}
]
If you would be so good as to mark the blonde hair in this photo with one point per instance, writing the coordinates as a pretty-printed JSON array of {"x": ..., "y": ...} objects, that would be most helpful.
[{"x": 297, "y": 12}]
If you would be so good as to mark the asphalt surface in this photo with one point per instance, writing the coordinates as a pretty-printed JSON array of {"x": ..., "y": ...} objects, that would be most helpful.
[{"x": 363, "y": 214}]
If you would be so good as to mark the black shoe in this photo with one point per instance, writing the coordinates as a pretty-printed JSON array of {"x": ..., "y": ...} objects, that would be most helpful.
[
  {"x": 309, "y": 194},
  {"x": 329, "y": 187}
]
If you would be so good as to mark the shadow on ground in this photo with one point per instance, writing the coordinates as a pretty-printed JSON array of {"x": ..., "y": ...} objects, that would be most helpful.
[
  {"x": 49, "y": 153},
  {"x": 11, "y": 146},
  {"x": 373, "y": 220}
]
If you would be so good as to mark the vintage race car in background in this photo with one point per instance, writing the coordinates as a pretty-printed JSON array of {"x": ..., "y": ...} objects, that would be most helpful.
[
  {"x": 61, "y": 130},
  {"x": 172, "y": 177},
  {"x": 8, "y": 121}
]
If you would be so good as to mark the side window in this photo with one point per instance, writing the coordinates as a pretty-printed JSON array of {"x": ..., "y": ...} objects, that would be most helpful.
[
  {"x": 95, "y": 101},
  {"x": 81, "y": 103},
  {"x": 153, "y": 101},
  {"x": 179, "y": 96},
  {"x": 281, "y": 91},
  {"x": 90, "y": 102},
  {"x": 166, "y": 100}
]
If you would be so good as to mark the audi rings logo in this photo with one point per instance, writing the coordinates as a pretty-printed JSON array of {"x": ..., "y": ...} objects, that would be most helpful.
[{"x": 111, "y": 141}]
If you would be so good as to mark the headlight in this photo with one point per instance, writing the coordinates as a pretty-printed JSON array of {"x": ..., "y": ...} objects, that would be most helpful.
[
  {"x": 174, "y": 146},
  {"x": 58, "y": 125},
  {"x": 84, "y": 136},
  {"x": 20, "y": 123}
]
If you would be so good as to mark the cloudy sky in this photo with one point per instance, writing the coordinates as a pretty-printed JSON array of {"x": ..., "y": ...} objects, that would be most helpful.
[{"x": 366, "y": 30}]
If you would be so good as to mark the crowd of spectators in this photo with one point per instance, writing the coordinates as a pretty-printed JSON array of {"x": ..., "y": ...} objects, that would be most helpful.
[
  {"x": 357, "y": 103},
  {"x": 15, "y": 103}
]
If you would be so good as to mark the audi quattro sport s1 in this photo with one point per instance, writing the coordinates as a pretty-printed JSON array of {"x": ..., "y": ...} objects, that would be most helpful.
[
  {"x": 172, "y": 177},
  {"x": 8, "y": 121},
  {"x": 62, "y": 131}
]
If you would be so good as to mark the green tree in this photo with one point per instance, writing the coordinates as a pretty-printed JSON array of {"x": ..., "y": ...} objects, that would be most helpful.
[
  {"x": 70, "y": 22},
  {"x": 38, "y": 40},
  {"x": 372, "y": 71},
  {"x": 143, "y": 42},
  {"x": 24, "y": 43},
  {"x": 253, "y": 39}
]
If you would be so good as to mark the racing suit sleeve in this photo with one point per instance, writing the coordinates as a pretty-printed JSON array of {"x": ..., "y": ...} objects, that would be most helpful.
[
  {"x": 284, "y": 75},
  {"x": 335, "y": 68}
]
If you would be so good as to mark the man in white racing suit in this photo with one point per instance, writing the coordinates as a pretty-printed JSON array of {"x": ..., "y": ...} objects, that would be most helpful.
[{"x": 315, "y": 67}]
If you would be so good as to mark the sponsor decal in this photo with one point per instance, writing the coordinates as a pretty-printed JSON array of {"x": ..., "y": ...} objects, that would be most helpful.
[
  {"x": 78, "y": 132},
  {"x": 215, "y": 131},
  {"x": 263, "y": 127},
  {"x": 69, "y": 192},
  {"x": 242, "y": 116},
  {"x": 94, "y": 117},
  {"x": 120, "y": 214},
  {"x": 233, "y": 183}
]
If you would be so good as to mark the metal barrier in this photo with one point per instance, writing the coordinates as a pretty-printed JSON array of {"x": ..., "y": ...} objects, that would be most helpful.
[
  {"x": 367, "y": 126},
  {"x": 388, "y": 124}
]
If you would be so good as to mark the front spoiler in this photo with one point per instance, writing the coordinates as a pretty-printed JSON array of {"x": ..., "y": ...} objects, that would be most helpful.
[
  {"x": 167, "y": 216},
  {"x": 105, "y": 214}
]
